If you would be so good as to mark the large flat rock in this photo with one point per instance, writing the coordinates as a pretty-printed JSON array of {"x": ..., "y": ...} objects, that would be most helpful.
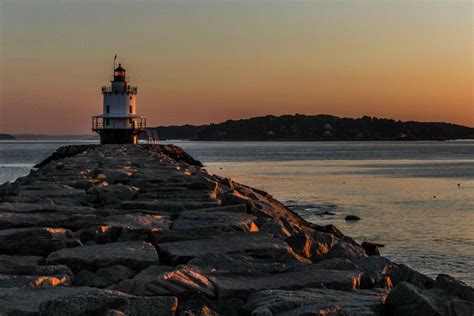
[
  {"x": 241, "y": 208},
  {"x": 242, "y": 285},
  {"x": 407, "y": 299},
  {"x": 131, "y": 254},
  {"x": 217, "y": 221},
  {"x": 15, "y": 281},
  {"x": 44, "y": 208},
  {"x": 103, "y": 277},
  {"x": 241, "y": 264},
  {"x": 138, "y": 284},
  {"x": 21, "y": 301},
  {"x": 113, "y": 304},
  {"x": 317, "y": 245},
  {"x": 127, "y": 227},
  {"x": 158, "y": 281},
  {"x": 139, "y": 222},
  {"x": 115, "y": 193},
  {"x": 454, "y": 286},
  {"x": 32, "y": 241},
  {"x": 60, "y": 192},
  {"x": 253, "y": 244},
  {"x": 69, "y": 221},
  {"x": 29, "y": 265},
  {"x": 316, "y": 302},
  {"x": 81, "y": 301}
]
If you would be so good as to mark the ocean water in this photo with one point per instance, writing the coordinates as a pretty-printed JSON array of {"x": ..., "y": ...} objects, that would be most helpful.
[{"x": 416, "y": 198}]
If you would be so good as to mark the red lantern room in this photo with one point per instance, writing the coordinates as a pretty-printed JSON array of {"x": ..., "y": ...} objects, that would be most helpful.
[{"x": 119, "y": 74}]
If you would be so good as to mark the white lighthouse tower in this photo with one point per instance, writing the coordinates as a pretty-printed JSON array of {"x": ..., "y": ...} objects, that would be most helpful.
[{"x": 119, "y": 122}]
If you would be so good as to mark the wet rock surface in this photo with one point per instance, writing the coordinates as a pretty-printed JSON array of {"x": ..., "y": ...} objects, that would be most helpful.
[{"x": 145, "y": 230}]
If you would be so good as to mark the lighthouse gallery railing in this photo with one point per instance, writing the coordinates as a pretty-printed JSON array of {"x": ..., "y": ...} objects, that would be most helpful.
[
  {"x": 99, "y": 123},
  {"x": 128, "y": 89}
]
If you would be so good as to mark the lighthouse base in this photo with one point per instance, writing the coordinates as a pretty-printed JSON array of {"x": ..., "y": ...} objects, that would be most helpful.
[{"x": 118, "y": 136}]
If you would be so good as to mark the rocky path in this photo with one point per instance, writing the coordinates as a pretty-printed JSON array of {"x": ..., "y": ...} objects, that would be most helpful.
[{"x": 145, "y": 230}]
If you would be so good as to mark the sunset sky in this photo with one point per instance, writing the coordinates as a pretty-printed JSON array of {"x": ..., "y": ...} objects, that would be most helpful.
[{"x": 208, "y": 61}]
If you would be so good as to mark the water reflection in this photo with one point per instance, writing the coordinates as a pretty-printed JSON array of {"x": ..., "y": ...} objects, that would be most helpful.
[{"x": 433, "y": 235}]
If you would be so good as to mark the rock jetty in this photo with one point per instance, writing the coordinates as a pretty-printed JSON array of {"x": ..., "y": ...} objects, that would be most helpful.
[{"x": 146, "y": 230}]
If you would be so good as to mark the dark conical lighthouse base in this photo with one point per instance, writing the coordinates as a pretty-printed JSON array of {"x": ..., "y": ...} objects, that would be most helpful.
[{"x": 117, "y": 136}]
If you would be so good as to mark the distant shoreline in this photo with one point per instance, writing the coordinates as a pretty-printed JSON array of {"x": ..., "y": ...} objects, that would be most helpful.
[
  {"x": 316, "y": 128},
  {"x": 287, "y": 128}
]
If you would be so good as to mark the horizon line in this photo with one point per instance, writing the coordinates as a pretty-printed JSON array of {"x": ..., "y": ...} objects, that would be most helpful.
[{"x": 239, "y": 119}]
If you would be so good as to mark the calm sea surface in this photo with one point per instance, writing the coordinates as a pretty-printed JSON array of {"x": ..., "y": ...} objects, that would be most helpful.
[{"x": 417, "y": 198}]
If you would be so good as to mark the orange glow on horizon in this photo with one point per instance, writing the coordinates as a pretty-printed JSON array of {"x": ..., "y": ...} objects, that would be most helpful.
[{"x": 211, "y": 61}]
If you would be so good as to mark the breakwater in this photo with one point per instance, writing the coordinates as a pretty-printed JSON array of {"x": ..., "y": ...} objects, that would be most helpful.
[{"x": 145, "y": 230}]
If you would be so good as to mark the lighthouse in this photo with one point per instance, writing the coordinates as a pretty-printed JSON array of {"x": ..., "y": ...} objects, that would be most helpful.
[{"x": 119, "y": 122}]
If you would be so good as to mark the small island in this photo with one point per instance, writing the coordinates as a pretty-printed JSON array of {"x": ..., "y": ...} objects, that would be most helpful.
[
  {"x": 318, "y": 128},
  {"x": 146, "y": 230}
]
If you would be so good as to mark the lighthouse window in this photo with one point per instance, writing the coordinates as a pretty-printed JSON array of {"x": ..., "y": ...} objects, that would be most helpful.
[
  {"x": 107, "y": 110},
  {"x": 130, "y": 109},
  {"x": 130, "y": 98}
]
